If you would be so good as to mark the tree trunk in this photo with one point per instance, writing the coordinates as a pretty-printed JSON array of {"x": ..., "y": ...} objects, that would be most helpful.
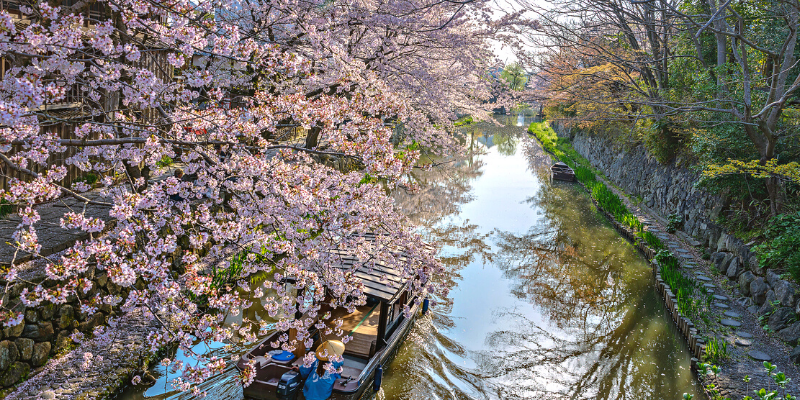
[
  {"x": 774, "y": 188},
  {"x": 312, "y": 139}
]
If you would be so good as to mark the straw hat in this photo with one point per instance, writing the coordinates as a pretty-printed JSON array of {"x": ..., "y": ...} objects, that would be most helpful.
[{"x": 332, "y": 347}]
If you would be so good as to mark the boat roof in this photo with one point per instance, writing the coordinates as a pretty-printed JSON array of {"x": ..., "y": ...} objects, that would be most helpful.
[
  {"x": 381, "y": 281},
  {"x": 559, "y": 164}
]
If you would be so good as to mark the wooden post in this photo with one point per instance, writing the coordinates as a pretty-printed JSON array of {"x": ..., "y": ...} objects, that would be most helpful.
[{"x": 382, "y": 322}]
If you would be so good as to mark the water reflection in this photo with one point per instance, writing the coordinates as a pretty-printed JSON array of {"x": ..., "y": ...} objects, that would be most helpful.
[
  {"x": 545, "y": 301},
  {"x": 602, "y": 332},
  {"x": 558, "y": 305}
]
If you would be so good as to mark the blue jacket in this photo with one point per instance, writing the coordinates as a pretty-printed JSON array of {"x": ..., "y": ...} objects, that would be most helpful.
[{"x": 318, "y": 387}]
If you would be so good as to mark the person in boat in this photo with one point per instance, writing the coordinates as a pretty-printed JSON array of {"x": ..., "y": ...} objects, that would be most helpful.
[{"x": 318, "y": 379}]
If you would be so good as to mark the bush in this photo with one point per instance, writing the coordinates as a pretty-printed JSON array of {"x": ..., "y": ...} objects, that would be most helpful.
[
  {"x": 780, "y": 250},
  {"x": 675, "y": 222},
  {"x": 6, "y": 208},
  {"x": 90, "y": 179},
  {"x": 164, "y": 162}
]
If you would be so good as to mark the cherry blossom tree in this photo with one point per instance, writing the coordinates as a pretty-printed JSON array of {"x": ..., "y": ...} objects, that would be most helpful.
[{"x": 368, "y": 82}]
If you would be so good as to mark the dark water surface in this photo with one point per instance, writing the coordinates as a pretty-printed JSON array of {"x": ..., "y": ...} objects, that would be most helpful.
[{"x": 547, "y": 301}]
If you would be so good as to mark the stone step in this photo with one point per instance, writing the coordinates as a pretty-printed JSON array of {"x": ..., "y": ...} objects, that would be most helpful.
[
  {"x": 743, "y": 342},
  {"x": 732, "y": 315},
  {"x": 730, "y": 322},
  {"x": 703, "y": 278},
  {"x": 720, "y": 298},
  {"x": 744, "y": 334},
  {"x": 721, "y": 305},
  {"x": 759, "y": 355}
]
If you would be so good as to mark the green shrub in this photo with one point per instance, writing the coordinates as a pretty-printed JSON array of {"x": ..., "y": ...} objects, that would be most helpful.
[
  {"x": 780, "y": 250},
  {"x": 89, "y": 178},
  {"x": 5, "y": 208},
  {"x": 164, "y": 162},
  {"x": 675, "y": 222}
]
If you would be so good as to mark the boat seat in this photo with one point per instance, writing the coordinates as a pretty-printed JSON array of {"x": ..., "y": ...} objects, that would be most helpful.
[
  {"x": 360, "y": 345},
  {"x": 261, "y": 361}
]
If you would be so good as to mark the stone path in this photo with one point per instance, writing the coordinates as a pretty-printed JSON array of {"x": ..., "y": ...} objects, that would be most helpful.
[
  {"x": 64, "y": 377},
  {"x": 52, "y": 237},
  {"x": 748, "y": 345}
]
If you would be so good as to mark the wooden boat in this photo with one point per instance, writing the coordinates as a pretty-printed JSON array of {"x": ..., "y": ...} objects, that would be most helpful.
[
  {"x": 562, "y": 172},
  {"x": 377, "y": 330}
]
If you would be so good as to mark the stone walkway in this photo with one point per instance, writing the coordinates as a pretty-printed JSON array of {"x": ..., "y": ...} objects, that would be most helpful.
[
  {"x": 729, "y": 318},
  {"x": 62, "y": 377},
  {"x": 52, "y": 237},
  {"x": 65, "y": 378}
]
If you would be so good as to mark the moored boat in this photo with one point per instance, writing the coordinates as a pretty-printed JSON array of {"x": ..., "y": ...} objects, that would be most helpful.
[
  {"x": 376, "y": 331},
  {"x": 562, "y": 172}
]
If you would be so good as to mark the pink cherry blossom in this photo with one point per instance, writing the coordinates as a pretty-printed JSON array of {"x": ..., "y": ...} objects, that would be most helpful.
[{"x": 363, "y": 83}]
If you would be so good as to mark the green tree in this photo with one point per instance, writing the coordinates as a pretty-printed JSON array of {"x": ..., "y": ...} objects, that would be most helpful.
[{"x": 515, "y": 76}]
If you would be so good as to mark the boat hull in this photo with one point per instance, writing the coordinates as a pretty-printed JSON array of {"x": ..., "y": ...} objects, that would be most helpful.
[{"x": 564, "y": 176}]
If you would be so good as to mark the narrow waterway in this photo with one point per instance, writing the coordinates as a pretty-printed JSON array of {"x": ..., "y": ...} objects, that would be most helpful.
[{"x": 546, "y": 300}]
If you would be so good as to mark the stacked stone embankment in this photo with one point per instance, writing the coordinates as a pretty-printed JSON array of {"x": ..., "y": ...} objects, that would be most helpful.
[{"x": 46, "y": 329}]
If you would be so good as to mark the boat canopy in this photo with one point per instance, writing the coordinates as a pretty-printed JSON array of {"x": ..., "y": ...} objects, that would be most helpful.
[{"x": 381, "y": 281}]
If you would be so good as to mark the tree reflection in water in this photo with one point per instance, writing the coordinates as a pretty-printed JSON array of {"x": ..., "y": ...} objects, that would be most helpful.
[
  {"x": 435, "y": 208},
  {"x": 601, "y": 332}
]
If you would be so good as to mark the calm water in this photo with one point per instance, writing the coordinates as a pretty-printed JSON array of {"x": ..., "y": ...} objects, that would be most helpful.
[{"x": 546, "y": 300}]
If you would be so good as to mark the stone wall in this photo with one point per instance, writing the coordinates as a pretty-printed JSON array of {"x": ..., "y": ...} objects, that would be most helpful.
[
  {"x": 670, "y": 189},
  {"x": 46, "y": 329},
  {"x": 665, "y": 189}
]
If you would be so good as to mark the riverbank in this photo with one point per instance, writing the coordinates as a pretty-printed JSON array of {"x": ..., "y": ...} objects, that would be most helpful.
[{"x": 720, "y": 331}]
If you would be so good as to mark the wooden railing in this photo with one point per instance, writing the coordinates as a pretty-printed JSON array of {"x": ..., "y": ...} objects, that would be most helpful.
[{"x": 95, "y": 12}]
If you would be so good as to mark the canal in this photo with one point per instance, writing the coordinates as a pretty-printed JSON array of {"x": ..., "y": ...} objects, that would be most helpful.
[{"x": 546, "y": 300}]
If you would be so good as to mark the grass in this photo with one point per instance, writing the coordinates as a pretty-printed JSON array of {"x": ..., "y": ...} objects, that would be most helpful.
[
  {"x": 605, "y": 197},
  {"x": 652, "y": 240},
  {"x": 463, "y": 121},
  {"x": 716, "y": 350},
  {"x": 684, "y": 288}
]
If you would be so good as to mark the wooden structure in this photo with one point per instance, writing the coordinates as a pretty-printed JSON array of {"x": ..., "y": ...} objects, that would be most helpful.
[
  {"x": 377, "y": 329},
  {"x": 63, "y": 116},
  {"x": 562, "y": 172}
]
